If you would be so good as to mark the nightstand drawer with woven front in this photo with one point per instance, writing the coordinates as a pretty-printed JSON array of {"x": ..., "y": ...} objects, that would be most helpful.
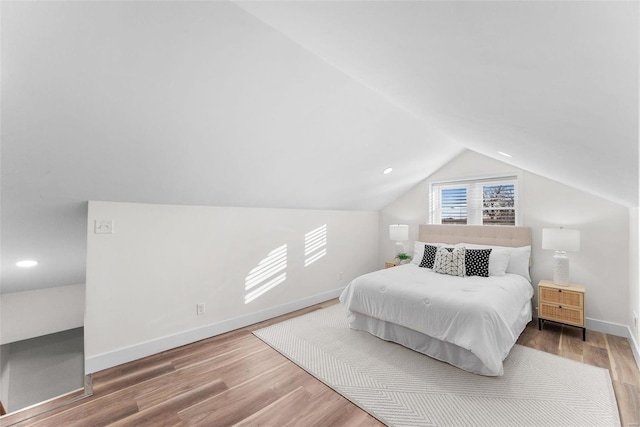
[
  {"x": 562, "y": 314},
  {"x": 561, "y": 304},
  {"x": 561, "y": 296}
]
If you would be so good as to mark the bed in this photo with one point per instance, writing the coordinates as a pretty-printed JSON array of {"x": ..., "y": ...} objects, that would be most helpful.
[{"x": 471, "y": 322}]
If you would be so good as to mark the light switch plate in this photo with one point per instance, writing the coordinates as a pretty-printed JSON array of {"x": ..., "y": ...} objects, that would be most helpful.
[{"x": 104, "y": 226}]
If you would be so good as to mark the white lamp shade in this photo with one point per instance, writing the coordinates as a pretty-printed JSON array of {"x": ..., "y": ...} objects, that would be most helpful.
[
  {"x": 399, "y": 232},
  {"x": 561, "y": 239}
]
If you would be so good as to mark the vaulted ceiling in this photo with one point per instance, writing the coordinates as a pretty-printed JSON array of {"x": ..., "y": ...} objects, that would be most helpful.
[{"x": 296, "y": 105}]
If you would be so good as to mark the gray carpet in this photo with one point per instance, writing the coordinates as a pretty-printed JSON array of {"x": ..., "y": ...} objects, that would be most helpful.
[{"x": 403, "y": 388}]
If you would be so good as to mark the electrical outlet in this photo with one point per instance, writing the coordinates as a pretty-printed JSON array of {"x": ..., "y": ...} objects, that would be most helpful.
[
  {"x": 199, "y": 309},
  {"x": 635, "y": 320}
]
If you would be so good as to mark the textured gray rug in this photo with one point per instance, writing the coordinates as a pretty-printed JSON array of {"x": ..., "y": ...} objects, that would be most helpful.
[{"x": 403, "y": 388}]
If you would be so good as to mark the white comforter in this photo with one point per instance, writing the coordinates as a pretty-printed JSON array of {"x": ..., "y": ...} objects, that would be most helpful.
[{"x": 475, "y": 313}]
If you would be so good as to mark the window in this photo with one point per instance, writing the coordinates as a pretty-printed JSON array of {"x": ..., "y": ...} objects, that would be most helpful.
[
  {"x": 454, "y": 205},
  {"x": 498, "y": 204},
  {"x": 486, "y": 201}
]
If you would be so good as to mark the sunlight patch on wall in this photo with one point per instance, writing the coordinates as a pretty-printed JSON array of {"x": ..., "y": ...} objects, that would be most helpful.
[
  {"x": 269, "y": 273},
  {"x": 315, "y": 245}
]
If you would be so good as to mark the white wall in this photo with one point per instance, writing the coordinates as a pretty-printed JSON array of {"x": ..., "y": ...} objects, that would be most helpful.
[
  {"x": 5, "y": 375},
  {"x": 42, "y": 368},
  {"x": 602, "y": 264},
  {"x": 30, "y": 314},
  {"x": 634, "y": 278},
  {"x": 144, "y": 281}
]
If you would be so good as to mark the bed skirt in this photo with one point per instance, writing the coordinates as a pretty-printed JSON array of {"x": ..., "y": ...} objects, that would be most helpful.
[{"x": 435, "y": 348}]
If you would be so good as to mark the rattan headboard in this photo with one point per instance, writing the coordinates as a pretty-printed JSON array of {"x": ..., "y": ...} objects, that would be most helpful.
[{"x": 478, "y": 234}]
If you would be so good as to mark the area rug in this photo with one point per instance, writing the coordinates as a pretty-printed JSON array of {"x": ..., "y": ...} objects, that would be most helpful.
[{"x": 401, "y": 387}]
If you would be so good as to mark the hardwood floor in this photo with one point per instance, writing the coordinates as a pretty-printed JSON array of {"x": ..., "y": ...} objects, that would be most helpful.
[
  {"x": 602, "y": 350},
  {"x": 236, "y": 379}
]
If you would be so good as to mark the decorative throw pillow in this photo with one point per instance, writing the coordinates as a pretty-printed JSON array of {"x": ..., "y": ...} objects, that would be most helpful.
[
  {"x": 418, "y": 250},
  {"x": 449, "y": 262},
  {"x": 429, "y": 256},
  {"x": 476, "y": 262},
  {"x": 518, "y": 259}
]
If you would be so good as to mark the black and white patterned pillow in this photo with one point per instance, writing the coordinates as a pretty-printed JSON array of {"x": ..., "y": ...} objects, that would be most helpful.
[
  {"x": 476, "y": 262},
  {"x": 449, "y": 262},
  {"x": 429, "y": 256}
]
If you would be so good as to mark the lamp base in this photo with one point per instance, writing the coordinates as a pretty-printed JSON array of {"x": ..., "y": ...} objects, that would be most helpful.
[
  {"x": 561, "y": 268},
  {"x": 399, "y": 248}
]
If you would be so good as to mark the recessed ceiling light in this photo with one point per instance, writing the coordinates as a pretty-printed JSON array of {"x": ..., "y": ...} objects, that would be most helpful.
[
  {"x": 387, "y": 171},
  {"x": 27, "y": 263},
  {"x": 504, "y": 154}
]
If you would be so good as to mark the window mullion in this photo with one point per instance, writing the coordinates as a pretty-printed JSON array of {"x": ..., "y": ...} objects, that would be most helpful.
[{"x": 474, "y": 203}]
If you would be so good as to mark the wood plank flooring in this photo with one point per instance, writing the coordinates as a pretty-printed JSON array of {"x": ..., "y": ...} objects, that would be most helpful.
[
  {"x": 602, "y": 350},
  {"x": 236, "y": 379}
]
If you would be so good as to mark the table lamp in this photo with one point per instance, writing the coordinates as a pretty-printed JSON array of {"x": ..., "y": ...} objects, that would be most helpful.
[
  {"x": 399, "y": 233},
  {"x": 561, "y": 240}
]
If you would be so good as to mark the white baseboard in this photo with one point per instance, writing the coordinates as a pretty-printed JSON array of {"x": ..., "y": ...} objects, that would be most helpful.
[
  {"x": 617, "y": 330},
  {"x": 635, "y": 347},
  {"x": 607, "y": 327},
  {"x": 140, "y": 350}
]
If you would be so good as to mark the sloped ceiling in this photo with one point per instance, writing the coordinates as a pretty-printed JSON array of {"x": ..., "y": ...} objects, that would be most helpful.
[
  {"x": 554, "y": 84},
  {"x": 295, "y": 105}
]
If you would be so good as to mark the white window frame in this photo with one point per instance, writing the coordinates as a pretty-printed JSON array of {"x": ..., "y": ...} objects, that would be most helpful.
[{"x": 474, "y": 186}]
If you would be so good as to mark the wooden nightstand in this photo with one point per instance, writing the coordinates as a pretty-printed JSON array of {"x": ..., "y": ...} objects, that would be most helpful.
[
  {"x": 561, "y": 304},
  {"x": 390, "y": 264}
]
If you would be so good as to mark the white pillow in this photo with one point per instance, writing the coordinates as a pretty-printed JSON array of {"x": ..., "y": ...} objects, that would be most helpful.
[
  {"x": 519, "y": 262},
  {"x": 498, "y": 262},
  {"x": 518, "y": 258},
  {"x": 418, "y": 251}
]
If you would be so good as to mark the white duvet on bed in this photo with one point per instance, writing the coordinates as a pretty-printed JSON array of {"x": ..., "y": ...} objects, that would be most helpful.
[{"x": 476, "y": 313}]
